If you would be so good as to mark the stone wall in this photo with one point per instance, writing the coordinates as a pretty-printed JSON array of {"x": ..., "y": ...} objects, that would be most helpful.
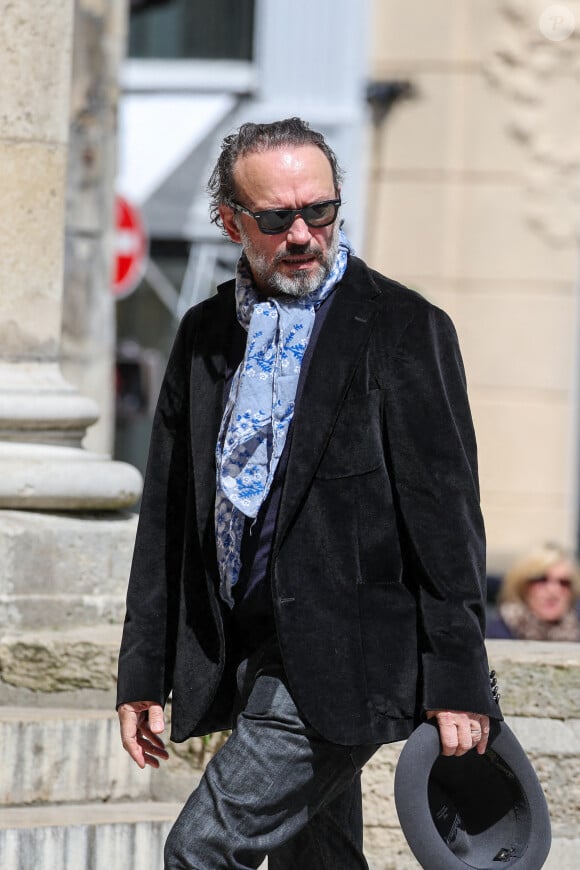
[
  {"x": 81, "y": 788},
  {"x": 474, "y": 200}
]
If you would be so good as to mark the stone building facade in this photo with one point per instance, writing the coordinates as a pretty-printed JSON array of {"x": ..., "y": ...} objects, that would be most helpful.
[{"x": 477, "y": 184}]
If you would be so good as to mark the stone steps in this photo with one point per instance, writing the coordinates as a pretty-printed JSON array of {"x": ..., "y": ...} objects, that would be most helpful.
[
  {"x": 60, "y": 755},
  {"x": 70, "y": 796},
  {"x": 52, "y": 662},
  {"x": 106, "y": 836}
]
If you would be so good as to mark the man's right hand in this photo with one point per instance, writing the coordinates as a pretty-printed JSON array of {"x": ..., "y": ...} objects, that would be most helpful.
[{"x": 141, "y": 722}]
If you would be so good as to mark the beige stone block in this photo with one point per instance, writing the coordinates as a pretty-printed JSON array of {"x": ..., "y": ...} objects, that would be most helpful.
[
  {"x": 410, "y": 227},
  {"x": 411, "y": 32},
  {"x": 456, "y": 122},
  {"x": 524, "y": 443},
  {"x": 81, "y": 759},
  {"x": 59, "y": 661},
  {"x": 554, "y": 122},
  {"x": 488, "y": 143},
  {"x": 518, "y": 340},
  {"x": 540, "y": 679},
  {"x": 449, "y": 228},
  {"x": 35, "y": 46},
  {"x": 62, "y": 570},
  {"x": 525, "y": 455},
  {"x": 553, "y": 748},
  {"x": 515, "y": 528},
  {"x": 111, "y": 835},
  {"x": 418, "y": 134},
  {"x": 565, "y": 850},
  {"x": 31, "y": 229},
  {"x": 560, "y": 775},
  {"x": 498, "y": 242},
  {"x": 386, "y": 849}
]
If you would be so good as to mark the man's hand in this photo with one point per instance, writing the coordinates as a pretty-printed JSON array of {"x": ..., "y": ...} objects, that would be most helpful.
[
  {"x": 460, "y": 732},
  {"x": 141, "y": 722}
]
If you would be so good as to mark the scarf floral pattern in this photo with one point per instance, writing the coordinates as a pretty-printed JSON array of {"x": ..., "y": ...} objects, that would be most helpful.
[{"x": 260, "y": 406}]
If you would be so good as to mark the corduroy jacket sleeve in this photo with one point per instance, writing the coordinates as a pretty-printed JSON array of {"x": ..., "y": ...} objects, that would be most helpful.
[
  {"x": 433, "y": 456},
  {"x": 147, "y": 654}
]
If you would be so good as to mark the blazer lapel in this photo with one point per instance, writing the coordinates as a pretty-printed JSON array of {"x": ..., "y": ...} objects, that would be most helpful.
[{"x": 340, "y": 344}]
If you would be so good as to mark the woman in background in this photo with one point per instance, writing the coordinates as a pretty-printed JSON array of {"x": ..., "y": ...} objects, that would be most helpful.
[{"x": 538, "y": 597}]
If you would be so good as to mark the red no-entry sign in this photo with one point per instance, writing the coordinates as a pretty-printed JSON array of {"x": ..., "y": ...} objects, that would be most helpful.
[{"x": 130, "y": 248}]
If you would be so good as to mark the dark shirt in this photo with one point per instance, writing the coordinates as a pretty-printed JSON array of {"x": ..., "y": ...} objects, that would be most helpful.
[
  {"x": 497, "y": 628},
  {"x": 253, "y": 614}
]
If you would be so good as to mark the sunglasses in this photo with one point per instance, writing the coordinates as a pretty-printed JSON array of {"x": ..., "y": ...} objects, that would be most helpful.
[
  {"x": 278, "y": 220},
  {"x": 564, "y": 582}
]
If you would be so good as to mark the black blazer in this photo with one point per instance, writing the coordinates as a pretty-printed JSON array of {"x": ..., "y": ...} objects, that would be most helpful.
[{"x": 378, "y": 563}]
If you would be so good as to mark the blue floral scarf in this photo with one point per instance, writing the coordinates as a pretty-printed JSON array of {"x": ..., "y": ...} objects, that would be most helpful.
[{"x": 260, "y": 406}]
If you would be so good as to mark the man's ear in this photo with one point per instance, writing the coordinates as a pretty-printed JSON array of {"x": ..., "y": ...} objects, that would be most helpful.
[{"x": 228, "y": 217}]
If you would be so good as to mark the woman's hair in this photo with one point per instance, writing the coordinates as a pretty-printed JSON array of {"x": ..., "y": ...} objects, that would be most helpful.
[
  {"x": 261, "y": 137},
  {"x": 535, "y": 564}
]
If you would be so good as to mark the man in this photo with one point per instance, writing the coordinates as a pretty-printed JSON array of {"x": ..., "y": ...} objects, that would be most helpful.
[{"x": 309, "y": 564}]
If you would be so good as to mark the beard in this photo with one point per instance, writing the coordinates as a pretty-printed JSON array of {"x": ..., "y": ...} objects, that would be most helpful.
[{"x": 300, "y": 283}]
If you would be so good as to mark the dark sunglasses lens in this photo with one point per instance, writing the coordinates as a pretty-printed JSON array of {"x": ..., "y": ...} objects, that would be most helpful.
[
  {"x": 278, "y": 221},
  {"x": 320, "y": 214},
  {"x": 564, "y": 582},
  {"x": 275, "y": 221}
]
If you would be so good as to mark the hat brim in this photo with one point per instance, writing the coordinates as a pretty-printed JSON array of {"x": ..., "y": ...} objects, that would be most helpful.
[{"x": 412, "y": 780}]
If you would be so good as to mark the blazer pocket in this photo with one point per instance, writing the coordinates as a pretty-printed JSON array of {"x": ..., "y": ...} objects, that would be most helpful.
[{"x": 355, "y": 445}]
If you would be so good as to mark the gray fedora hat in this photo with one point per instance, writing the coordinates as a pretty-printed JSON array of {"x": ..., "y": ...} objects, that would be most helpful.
[{"x": 471, "y": 811}]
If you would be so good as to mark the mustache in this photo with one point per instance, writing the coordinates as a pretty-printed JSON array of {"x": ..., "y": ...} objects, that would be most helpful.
[{"x": 308, "y": 249}]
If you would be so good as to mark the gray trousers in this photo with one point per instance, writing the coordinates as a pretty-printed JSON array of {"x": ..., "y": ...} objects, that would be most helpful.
[{"x": 276, "y": 788}]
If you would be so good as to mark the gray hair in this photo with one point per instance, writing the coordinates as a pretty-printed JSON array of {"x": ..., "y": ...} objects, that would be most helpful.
[{"x": 261, "y": 137}]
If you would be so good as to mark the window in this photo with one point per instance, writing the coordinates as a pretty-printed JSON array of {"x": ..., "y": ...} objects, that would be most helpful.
[{"x": 192, "y": 29}]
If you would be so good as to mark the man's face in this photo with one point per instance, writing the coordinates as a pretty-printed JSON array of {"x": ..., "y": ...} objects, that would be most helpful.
[{"x": 296, "y": 261}]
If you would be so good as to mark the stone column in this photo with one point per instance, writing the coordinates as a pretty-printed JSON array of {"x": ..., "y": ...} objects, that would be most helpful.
[
  {"x": 43, "y": 419},
  {"x": 88, "y": 326}
]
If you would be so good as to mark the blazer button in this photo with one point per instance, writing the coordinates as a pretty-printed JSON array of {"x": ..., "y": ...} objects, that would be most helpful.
[{"x": 494, "y": 687}]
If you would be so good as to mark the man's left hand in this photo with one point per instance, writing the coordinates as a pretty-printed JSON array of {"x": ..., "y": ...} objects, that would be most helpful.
[{"x": 460, "y": 732}]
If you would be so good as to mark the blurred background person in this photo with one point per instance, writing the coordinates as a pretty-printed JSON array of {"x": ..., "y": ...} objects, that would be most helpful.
[{"x": 538, "y": 598}]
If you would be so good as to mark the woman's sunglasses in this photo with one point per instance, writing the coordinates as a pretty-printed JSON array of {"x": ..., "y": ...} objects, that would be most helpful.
[
  {"x": 564, "y": 582},
  {"x": 278, "y": 220}
]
